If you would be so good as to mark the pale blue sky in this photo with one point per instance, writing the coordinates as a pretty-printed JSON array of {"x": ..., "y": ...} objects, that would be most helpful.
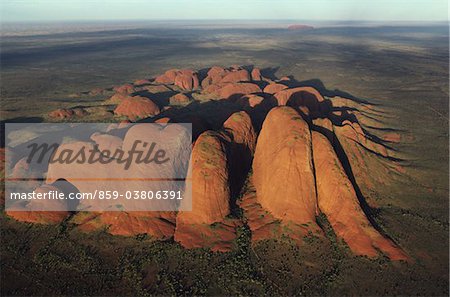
[{"x": 368, "y": 10}]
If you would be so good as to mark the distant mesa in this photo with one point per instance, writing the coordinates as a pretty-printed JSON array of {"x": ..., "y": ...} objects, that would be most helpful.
[
  {"x": 300, "y": 27},
  {"x": 269, "y": 153}
]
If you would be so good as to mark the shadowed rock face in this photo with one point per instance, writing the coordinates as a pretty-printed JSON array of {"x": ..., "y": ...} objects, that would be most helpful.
[
  {"x": 282, "y": 151},
  {"x": 306, "y": 99},
  {"x": 211, "y": 194},
  {"x": 240, "y": 126},
  {"x": 338, "y": 201},
  {"x": 241, "y": 148}
]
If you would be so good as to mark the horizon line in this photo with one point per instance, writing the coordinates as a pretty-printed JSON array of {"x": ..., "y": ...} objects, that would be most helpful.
[{"x": 220, "y": 20}]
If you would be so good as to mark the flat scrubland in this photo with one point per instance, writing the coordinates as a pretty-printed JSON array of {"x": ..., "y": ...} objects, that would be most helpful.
[{"x": 403, "y": 69}]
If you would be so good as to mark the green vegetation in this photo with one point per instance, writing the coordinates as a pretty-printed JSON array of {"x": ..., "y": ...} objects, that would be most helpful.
[{"x": 61, "y": 260}]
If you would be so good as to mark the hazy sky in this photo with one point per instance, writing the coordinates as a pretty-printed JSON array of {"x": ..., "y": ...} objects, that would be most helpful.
[{"x": 370, "y": 10}]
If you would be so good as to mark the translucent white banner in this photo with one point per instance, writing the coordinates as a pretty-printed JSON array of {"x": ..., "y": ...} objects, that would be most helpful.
[{"x": 97, "y": 167}]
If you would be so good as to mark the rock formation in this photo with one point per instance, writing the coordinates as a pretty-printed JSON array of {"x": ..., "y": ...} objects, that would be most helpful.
[
  {"x": 241, "y": 145},
  {"x": 251, "y": 100},
  {"x": 241, "y": 75},
  {"x": 210, "y": 181},
  {"x": 210, "y": 188},
  {"x": 136, "y": 107},
  {"x": 256, "y": 74},
  {"x": 186, "y": 79},
  {"x": 306, "y": 99},
  {"x": 124, "y": 89},
  {"x": 274, "y": 88},
  {"x": 159, "y": 225},
  {"x": 141, "y": 82},
  {"x": 179, "y": 99},
  {"x": 236, "y": 90},
  {"x": 283, "y": 171},
  {"x": 300, "y": 27},
  {"x": 337, "y": 199},
  {"x": 282, "y": 152}
]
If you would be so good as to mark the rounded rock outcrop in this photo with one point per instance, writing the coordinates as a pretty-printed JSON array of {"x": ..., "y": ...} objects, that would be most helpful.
[
  {"x": 136, "y": 107},
  {"x": 236, "y": 90},
  {"x": 283, "y": 173},
  {"x": 337, "y": 199},
  {"x": 209, "y": 181}
]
